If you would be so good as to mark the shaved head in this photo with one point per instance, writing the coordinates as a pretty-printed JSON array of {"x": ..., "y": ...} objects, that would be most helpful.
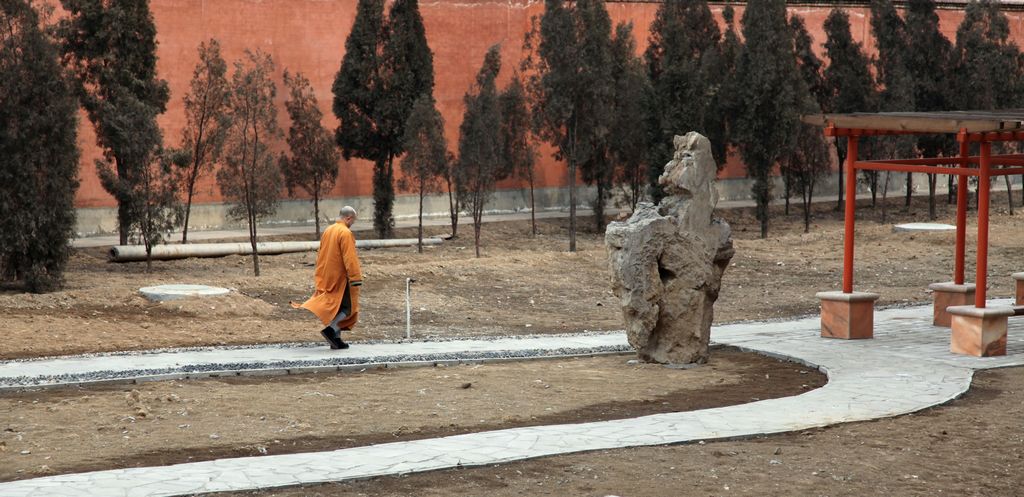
[{"x": 347, "y": 211}]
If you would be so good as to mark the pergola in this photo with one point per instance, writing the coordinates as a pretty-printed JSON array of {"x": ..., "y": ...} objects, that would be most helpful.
[{"x": 977, "y": 328}]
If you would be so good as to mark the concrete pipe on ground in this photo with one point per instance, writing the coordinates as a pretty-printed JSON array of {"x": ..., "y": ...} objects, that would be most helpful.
[{"x": 135, "y": 253}]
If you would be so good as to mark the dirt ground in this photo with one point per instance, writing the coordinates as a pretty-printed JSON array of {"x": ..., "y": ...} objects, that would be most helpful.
[
  {"x": 973, "y": 446},
  {"x": 521, "y": 285},
  {"x": 157, "y": 423}
]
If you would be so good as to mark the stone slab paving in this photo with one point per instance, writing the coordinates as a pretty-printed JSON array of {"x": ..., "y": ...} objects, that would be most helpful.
[{"x": 906, "y": 368}]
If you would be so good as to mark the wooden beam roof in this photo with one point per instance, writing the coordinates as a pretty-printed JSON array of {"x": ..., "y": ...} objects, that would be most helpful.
[{"x": 925, "y": 122}]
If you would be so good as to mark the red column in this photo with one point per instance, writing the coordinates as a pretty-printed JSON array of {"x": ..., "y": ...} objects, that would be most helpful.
[
  {"x": 983, "y": 187},
  {"x": 961, "y": 213},
  {"x": 851, "y": 205}
]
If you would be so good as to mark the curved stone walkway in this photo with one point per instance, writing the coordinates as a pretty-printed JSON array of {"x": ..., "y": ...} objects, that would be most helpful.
[{"x": 906, "y": 368}]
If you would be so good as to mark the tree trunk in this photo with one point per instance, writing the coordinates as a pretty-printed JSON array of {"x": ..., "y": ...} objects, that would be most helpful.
[
  {"x": 572, "y": 204},
  {"x": 453, "y": 208},
  {"x": 931, "y": 197},
  {"x": 950, "y": 191},
  {"x": 808, "y": 196},
  {"x": 478, "y": 215},
  {"x": 533, "y": 210},
  {"x": 910, "y": 189},
  {"x": 316, "y": 212},
  {"x": 252, "y": 241},
  {"x": 874, "y": 188},
  {"x": 787, "y": 181},
  {"x": 1009, "y": 193},
  {"x": 885, "y": 196},
  {"x": 599, "y": 207},
  {"x": 419, "y": 243},
  {"x": 188, "y": 212}
]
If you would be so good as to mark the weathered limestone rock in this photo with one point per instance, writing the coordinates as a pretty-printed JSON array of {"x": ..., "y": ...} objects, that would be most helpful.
[{"x": 667, "y": 260}]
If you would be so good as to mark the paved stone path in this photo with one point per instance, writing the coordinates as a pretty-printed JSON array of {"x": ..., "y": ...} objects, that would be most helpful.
[{"x": 906, "y": 368}]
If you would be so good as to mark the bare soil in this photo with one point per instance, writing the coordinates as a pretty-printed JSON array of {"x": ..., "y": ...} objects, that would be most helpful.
[
  {"x": 521, "y": 285},
  {"x": 971, "y": 447},
  {"x": 105, "y": 427}
]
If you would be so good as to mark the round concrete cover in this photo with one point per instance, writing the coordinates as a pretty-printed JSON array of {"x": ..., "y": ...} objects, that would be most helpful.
[
  {"x": 163, "y": 293},
  {"x": 916, "y": 227}
]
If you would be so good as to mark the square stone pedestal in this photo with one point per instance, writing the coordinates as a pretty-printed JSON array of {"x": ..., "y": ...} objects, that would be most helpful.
[
  {"x": 1020, "y": 287},
  {"x": 979, "y": 332},
  {"x": 847, "y": 315},
  {"x": 946, "y": 295}
]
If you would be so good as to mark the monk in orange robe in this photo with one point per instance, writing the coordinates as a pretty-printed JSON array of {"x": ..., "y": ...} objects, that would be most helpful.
[{"x": 337, "y": 280}]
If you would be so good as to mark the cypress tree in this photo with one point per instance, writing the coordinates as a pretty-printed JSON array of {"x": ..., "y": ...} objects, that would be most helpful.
[
  {"x": 682, "y": 58},
  {"x": 988, "y": 64},
  {"x": 768, "y": 110},
  {"x": 848, "y": 85},
  {"x": 426, "y": 154},
  {"x": 250, "y": 178},
  {"x": 633, "y": 94},
  {"x": 480, "y": 162},
  {"x": 206, "y": 121},
  {"x": 110, "y": 45},
  {"x": 896, "y": 85},
  {"x": 929, "y": 63},
  {"x": 359, "y": 95},
  {"x": 807, "y": 160},
  {"x": 594, "y": 113},
  {"x": 567, "y": 86},
  {"x": 313, "y": 165},
  {"x": 38, "y": 153},
  {"x": 515, "y": 130}
]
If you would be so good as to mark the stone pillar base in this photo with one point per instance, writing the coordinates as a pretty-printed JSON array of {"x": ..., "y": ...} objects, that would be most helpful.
[
  {"x": 1020, "y": 287},
  {"x": 979, "y": 332},
  {"x": 847, "y": 315},
  {"x": 946, "y": 295}
]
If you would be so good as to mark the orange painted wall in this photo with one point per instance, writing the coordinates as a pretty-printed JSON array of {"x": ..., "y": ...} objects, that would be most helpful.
[{"x": 309, "y": 36}]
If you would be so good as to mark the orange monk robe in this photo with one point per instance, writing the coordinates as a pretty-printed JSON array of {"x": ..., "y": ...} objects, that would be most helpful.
[{"x": 337, "y": 267}]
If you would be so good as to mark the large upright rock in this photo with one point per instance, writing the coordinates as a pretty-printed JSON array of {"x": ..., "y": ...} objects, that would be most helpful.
[{"x": 667, "y": 260}]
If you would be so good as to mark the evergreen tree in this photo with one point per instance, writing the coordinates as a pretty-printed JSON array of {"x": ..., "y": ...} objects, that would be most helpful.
[
  {"x": 426, "y": 154},
  {"x": 896, "y": 86},
  {"x": 768, "y": 110},
  {"x": 206, "y": 121},
  {"x": 929, "y": 63},
  {"x": 810, "y": 91},
  {"x": 313, "y": 165},
  {"x": 633, "y": 94},
  {"x": 515, "y": 137},
  {"x": 683, "y": 64},
  {"x": 595, "y": 114},
  {"x": 569, "y": 81},
  {"x": 156, "y": 198},
  {"x": 988, "y": 64},
  {"x": 480, "y": 161},
  {"x": 848, "y": 85},
  {"x": 455, "y": 191},
  {"x": 38, "y": 153},
  {"x": 387, "y": 66},
  {"x": 110, "y": 45},
  {"x": 807, "y": 160},
  {"x": 250, "y": 179},
  {"x": 359, "y": 98}
]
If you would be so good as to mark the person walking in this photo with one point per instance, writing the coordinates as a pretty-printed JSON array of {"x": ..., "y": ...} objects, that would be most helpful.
[{"x": 337, "y": 280}]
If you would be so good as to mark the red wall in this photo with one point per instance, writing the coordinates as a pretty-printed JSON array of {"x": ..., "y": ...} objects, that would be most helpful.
[{"x": 309, "y": 36}]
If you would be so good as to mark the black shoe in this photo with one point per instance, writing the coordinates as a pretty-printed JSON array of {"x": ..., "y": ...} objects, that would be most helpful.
[{"x": 332, "y": 338}]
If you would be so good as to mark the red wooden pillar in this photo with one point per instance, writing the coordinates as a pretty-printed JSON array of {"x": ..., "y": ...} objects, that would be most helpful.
[
  {"x": 961, "y": 213},
  {"x": 981, "y": 275},
  {"x": 852, "y": 143}
]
